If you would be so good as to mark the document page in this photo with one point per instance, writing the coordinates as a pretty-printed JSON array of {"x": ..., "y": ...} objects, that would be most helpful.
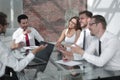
[
  {"x": 30, "y": 47},
  {"x": 69, "y": 63}
]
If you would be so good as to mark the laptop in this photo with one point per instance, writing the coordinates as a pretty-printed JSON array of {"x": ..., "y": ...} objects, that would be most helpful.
[{"x": 41, "y": 58}]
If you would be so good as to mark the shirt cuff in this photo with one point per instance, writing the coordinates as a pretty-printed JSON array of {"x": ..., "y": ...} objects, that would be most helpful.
[
  {"x": 30, "y": 56},
  {"x": 85, "y": 55},
  {"x": 77, "y": 56}
]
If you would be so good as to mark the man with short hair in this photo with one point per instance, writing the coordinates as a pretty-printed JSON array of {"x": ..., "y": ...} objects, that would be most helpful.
[
  {"x": 108, "y": 55},
  {"x": 106, "y": 45},
  {"x": 8, "y": 60},
  {"x": 24, "y": 29},
  {"x": 84, "y": 18},
  {"x": 85, "y": 38}
]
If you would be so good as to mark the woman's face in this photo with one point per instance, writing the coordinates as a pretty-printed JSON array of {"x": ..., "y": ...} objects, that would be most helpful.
[{"x": 72, "y": 23}]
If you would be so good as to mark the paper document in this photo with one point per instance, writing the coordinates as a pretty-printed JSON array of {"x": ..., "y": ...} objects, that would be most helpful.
[
  {"x": 69, "y": 63},
  {"x": 30, "y": 47}
]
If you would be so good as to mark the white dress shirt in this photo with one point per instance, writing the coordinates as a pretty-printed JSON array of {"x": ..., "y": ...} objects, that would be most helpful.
[
  {"x": 88, "y": 39},
  {"x": 110, "y": 52},
  {"x": 7, "y": 59},
  {"x": 18, "y": 36}
]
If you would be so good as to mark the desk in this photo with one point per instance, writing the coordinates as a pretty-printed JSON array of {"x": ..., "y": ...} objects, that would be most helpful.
[
  {"x": 90, "y": 72},
  {"x": 56, "y": 71}
]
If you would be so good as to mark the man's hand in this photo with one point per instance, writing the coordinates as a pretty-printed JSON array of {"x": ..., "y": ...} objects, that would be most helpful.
[
  {"x": 27, "y": 31},
  {"x": 77, "y": 49},
  {"x": 38, "y": 49},
  {"x": 60, "y": 47},
  {"x": 67, "y": 54},
  {"x": 20, "y": 44},
  {"x": 17, "y": 45},
  {"x": 67, "y": 58}
]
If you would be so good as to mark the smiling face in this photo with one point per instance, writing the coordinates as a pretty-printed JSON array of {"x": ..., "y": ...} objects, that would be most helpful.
[
  {"x": 24, "y": 24},
  {"x": 72, "y": 23},
  {"x": 83, "y": 19}
]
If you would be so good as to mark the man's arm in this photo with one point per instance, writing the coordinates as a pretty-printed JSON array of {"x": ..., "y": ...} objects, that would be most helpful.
[
  {"x": 37, "y": 36},
  {"x": 18, "y": 65}
]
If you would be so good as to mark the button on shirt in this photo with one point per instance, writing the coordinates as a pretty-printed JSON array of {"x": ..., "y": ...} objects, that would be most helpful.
[
  {"x": 7, "y": 59},
  {"x": 110, "y": 52}
]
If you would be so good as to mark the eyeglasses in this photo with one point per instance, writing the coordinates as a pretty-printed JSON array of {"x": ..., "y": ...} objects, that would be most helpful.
[{"x": 90, "y": 24}]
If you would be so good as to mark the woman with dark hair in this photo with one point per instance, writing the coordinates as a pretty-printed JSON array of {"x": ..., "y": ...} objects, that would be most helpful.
[{"x": 71, "y": 33}]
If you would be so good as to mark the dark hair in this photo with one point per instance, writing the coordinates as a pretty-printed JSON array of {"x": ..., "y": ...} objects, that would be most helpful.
[
  {"x": 3, "y": 20},
  {"x": 22, "y": 16},
  {"x": 100, "y": 19},
  {"x": 87, "y": 13},
  {"x": 78, "y": 26}
]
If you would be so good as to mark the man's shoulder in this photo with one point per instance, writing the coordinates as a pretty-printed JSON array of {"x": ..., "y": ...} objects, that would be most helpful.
[
  {"x": 17, "y": 31},
  {"x": 31, "y": 28}
]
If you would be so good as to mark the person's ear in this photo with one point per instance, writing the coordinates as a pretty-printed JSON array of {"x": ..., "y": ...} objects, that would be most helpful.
[{"x": 88, "y": 20}]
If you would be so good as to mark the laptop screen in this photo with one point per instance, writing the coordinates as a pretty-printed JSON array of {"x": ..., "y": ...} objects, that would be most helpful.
[{"x": 43, "y": 56}]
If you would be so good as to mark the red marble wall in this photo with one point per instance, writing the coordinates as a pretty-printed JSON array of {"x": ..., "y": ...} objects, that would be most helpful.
[{"x": 48, "y": 16}]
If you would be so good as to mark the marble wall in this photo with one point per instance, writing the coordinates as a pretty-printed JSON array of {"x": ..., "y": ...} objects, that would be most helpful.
[{"x": 49, "y": 17}]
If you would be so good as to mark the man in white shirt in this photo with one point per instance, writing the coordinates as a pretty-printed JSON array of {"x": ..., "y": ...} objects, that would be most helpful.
[
  {"x": 109, "y": 58},
  {"x": 7, "y": 59},
  {"x": 19, "y": 34},
  {"x": 19, "y": 37},
  {"x": 84, "y": 18},
  {"x": 85, "y": 37}
]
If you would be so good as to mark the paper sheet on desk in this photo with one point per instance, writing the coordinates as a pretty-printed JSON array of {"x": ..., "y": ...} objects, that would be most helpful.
[
  {"x": 30, "y": 47},
  {"x": 69, "y": 63}
]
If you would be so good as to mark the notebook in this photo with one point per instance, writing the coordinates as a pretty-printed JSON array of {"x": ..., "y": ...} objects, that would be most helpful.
[{"x": 43, "y": 56}]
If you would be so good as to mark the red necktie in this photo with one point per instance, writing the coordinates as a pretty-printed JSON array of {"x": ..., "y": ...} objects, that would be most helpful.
[
  {"x": 27, "y": 43},
  {"x": 27, "y": 40}
]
